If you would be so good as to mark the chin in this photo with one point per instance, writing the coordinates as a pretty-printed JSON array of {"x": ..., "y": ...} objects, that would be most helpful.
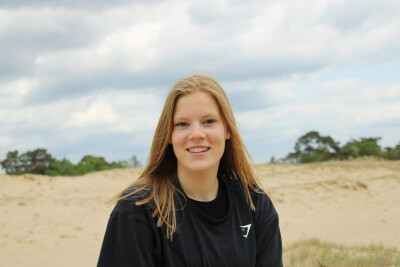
[{"x": 200, "y": 167}]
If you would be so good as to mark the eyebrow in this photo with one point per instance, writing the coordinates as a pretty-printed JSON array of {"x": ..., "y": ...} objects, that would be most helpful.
[{"x": 204, "y": 116}]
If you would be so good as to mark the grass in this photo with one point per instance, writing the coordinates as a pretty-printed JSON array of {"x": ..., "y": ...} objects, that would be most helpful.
[{"x": 313, "y": 252}]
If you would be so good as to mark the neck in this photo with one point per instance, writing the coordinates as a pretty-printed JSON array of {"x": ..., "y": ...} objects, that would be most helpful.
[{"x": 200, "y": 186}]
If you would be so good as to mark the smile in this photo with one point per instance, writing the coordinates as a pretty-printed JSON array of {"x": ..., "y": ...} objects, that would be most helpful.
[{"x": 198, "y": 149}]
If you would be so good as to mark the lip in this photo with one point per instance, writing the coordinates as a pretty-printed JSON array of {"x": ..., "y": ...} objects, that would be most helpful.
[{"x": 198, "y": 153}]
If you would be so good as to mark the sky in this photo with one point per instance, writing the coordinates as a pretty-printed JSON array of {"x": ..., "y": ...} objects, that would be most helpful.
[{"x": 91, "y": 77}]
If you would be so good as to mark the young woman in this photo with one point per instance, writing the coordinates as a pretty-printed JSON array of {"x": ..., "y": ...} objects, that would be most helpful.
[{"x": 197, "y": 202}]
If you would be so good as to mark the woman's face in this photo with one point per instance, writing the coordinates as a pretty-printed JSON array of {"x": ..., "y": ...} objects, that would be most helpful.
[{"x": 199, "y": 133}]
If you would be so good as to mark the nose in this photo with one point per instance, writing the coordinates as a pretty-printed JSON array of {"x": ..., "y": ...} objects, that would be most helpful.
[{"x": 196, "y": 132}]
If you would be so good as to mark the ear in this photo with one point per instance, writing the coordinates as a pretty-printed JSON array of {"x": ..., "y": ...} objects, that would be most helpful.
[{"x": 228, "y": 135}]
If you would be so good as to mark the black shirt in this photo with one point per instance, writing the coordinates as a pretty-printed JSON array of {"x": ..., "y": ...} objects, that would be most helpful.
[
  {"x": 216, "y": 208},
  {"x": 241, "y": 237}
]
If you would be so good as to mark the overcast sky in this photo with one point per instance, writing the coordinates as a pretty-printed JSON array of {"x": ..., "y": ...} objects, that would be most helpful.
[{"x": 90, "y": 77}]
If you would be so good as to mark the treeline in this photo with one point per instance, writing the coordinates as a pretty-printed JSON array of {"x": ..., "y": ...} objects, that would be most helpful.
[
  {"x": 39, "y": 161},
  {"x": 313, "y": 147}
]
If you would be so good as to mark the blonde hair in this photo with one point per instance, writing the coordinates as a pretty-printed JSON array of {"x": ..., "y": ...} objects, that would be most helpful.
[{"x": 156, "y": 183}]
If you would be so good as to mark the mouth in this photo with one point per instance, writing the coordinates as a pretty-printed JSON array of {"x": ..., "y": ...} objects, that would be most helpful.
[{"x": 198, "y": 149}]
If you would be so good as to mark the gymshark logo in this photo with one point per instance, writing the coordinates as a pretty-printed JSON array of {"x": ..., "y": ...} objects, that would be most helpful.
[{"x": 245, "y": 229}]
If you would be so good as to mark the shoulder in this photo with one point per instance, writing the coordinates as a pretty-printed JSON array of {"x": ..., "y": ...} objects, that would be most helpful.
[
  {"x": 262, "y": 202},
  {"x": 235, "y": 186},
  {"x": 128, "y": 204}
]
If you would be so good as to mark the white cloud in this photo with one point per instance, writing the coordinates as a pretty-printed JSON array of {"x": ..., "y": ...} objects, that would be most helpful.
[
  {"x": 128, "y": 44},
  {"x": 125, "y": 112},
  {"x": 5, "y": 141},
  {"x": 97, "y": 114},
  {"x": 380, "y": 113},
  {"x": 13, "y": 92},
  {"x": 116, "y": 124},
  {"x": 130, "y": 49},
  {"x": 70, "y": 72},
  {"x": 343, "y": 109},
  {"x": 357, "y": 92}
]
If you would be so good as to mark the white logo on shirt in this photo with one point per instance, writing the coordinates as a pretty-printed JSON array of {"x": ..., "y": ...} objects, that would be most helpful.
[{"x": 245, "y": 229}]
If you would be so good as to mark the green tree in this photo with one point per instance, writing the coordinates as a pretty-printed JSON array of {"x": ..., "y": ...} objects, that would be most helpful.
[
  {"x": 11, "y": 163},
  {"x": 392, "y": 153},
  {"x": 36, "y": 161},
  {"x": 61, "y": 167},
  {"x": 369, "y": 146},
  {"x": 40, "y": 162},
  {"x": 91, "y": 163},
  {"x": 134, "y": 162},
  {"x": 314, "y": 147},
  {"x": 350, "y": 150},
  {"x": 363, "y": 147}
]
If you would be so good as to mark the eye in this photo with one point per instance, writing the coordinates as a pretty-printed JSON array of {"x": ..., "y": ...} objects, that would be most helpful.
[
  {"x": 210, "y": 121},
  {"x": 181, "y": 124}
]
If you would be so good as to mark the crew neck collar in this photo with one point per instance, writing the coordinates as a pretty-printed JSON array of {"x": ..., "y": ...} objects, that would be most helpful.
[{"x": 191, "y": 207}]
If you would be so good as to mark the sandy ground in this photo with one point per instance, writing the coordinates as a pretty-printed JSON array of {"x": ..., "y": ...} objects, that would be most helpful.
[{"x": 61, "y": 221}]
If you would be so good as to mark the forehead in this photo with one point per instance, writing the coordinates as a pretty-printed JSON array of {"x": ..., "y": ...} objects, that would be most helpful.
[{"x": 197, "y": 103}]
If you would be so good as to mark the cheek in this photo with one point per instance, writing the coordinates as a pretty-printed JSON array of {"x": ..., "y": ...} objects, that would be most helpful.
[
  {"x": 217, "y": 137},
  {"x": 178, "y": 138}
]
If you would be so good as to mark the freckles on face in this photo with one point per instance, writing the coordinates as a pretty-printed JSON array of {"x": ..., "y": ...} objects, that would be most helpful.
[{"x": 199, "y": 133}]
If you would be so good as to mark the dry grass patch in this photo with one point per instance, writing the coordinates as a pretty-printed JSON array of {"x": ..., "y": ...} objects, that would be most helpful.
[{"x": 313, "y": 252}]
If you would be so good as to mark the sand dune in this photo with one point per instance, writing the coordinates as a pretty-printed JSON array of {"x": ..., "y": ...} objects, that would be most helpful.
[{"x": 61, "y": 221}]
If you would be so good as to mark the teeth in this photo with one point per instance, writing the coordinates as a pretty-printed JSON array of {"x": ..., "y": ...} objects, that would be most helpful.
[{"x": 198, "y": 149}]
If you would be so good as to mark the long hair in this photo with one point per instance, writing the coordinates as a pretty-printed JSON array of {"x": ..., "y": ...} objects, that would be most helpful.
[{"x": 156, "y": 183}]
